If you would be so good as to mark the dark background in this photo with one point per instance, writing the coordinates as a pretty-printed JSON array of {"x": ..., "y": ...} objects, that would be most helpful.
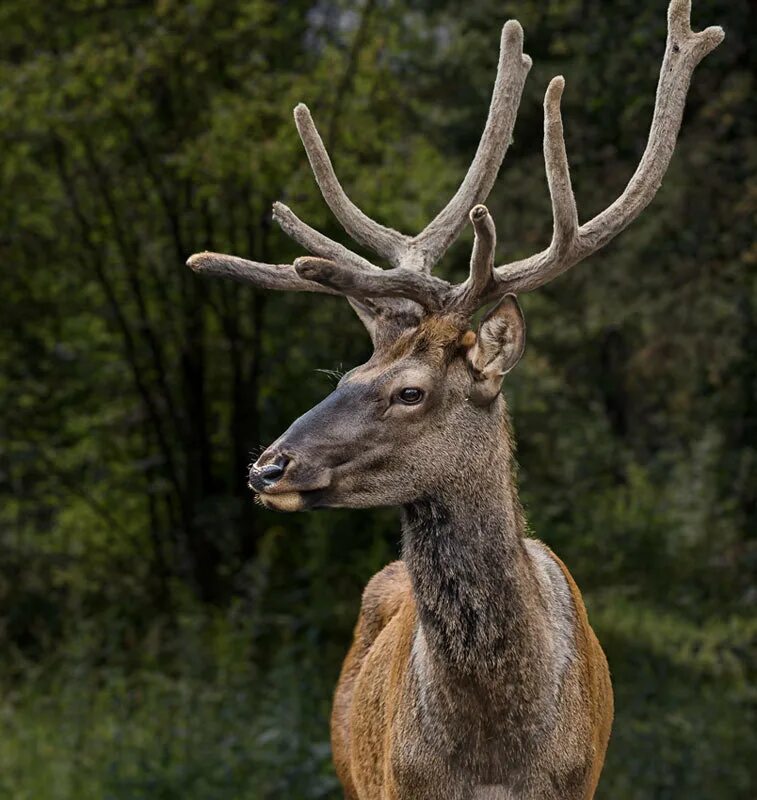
[{"x": 161, "y": 636}]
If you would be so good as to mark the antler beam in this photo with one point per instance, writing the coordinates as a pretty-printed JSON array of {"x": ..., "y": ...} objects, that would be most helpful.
[{"x": 426, "y": 290}]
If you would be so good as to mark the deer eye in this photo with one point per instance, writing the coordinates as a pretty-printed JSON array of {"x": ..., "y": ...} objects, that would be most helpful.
[{"x": 410, "y": 396}]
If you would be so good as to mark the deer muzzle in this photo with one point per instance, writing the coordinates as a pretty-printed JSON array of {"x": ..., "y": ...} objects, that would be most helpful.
[
  {"x": 308, "y": 464},
  {"x": 283, "y": 483}
]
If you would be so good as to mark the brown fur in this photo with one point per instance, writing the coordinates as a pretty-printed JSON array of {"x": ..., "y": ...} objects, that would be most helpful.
[
  {"x": 468, "y": 339},
  {"x": 597, "y": 684},
  {"x": 367, "y": 711},
  {"x": 435, "y": 339},
  {"x": 384, "y": 596}
]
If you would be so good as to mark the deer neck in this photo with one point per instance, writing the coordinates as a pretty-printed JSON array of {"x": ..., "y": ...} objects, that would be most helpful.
[
  {"x": 484, "y": 671},
  {"x": 472, "y": 578}
]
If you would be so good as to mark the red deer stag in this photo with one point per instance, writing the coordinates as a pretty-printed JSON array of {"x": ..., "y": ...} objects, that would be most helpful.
[{"x": 474, "y": 672}]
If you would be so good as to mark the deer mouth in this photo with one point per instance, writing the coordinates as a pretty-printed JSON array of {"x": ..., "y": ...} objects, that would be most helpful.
[
  {"x": 284, "y": 482},
  {"x": 294, "y": 489},
  {"x": 290, "y": 500}
]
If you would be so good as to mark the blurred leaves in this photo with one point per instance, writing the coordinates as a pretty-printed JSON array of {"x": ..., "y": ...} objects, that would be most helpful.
[{"x": 166, "y": 638}]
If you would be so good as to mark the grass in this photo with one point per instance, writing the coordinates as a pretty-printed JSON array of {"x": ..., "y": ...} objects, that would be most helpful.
[{"x": 224, "y": 720}]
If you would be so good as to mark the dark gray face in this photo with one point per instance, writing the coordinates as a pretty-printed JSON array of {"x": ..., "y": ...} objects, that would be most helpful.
[{"x": 411, "y": 418}]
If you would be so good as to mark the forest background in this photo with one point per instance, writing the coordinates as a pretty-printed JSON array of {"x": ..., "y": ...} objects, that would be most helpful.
[{"x": 163, "y": 637}]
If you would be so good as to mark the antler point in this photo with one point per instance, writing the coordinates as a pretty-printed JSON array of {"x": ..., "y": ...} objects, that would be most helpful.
[
  {"x": 679, "y": 7},
  {"x": 301, "y": 112},
  {"x": 555, "y": 90},
  {"x": 194, "y": 262},
  {"x": 478, "y": 212},
  {"x": 512, "y": 33},
  {"x": 715, "y": 34},
  {"x": 679, "y": 18}
]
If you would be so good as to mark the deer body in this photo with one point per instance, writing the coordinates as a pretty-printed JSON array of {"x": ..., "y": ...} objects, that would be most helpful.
[{"x": 474, "y": 673}]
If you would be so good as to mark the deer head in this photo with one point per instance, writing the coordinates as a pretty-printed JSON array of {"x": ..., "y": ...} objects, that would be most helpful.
[{"x": 426, "y": 409}]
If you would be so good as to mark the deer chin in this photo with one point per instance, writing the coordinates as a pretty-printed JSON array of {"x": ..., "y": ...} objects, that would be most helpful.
[
  {"x": 293, "y": 500},
  {"x": 285, "y": 501}
]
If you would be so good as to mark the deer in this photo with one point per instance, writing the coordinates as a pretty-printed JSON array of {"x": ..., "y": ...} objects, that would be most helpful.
[{"x": 474, "y": 671}]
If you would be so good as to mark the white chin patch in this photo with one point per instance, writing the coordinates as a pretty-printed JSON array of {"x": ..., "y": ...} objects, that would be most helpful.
[{"x": 287, "y": 501}]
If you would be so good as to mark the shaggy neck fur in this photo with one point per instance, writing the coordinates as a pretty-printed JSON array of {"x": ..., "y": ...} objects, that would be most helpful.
[{"x": 481, "y": 650}]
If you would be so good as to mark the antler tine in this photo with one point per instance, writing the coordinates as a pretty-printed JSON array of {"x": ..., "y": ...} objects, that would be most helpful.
[
  {"x": 684, "y": 50},
  {"x": 467, "y": 297},
  {"x": 484, "y": 243},
  {"x": 387, "y": 242},
  {"x": 314, "y": 241},
  {"x": 512, "y": 70},
  {"x": 564, "y": 211},
  {"x": 282, "y": 277}
]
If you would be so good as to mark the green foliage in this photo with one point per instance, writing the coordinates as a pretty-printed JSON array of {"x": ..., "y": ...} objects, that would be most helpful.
[
  {"x": 166, "y": 638},
  {"x": 201, "y": 730}
]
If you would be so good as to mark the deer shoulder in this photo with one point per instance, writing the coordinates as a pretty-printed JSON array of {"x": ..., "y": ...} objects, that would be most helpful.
[{"x": 386, "y": 595}]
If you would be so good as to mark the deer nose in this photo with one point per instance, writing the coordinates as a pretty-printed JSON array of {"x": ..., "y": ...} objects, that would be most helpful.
[{"x": 264, "y": 476}]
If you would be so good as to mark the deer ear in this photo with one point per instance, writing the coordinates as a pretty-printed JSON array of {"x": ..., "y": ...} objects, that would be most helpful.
[
  {"x": 367, "y": 314},
  {"x": 499, "y": 345}
]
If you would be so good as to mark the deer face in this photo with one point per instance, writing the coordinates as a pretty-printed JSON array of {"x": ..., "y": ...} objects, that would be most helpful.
[{"x": 422, "y": 410}]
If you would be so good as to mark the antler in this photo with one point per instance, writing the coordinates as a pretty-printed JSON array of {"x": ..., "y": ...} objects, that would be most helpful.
[
  {"x": 337, "y": 270},
  {"x": 417, "y": 254},
  {"x": 570, "y": 243}
]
